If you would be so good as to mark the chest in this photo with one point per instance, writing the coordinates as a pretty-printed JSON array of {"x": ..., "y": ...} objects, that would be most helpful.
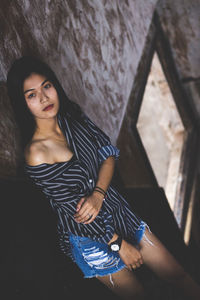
[{"x": 58, "y": 151}]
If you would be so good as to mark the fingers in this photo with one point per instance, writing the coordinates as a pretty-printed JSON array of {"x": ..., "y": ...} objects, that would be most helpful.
[
  {"x": 137, "y": 264},
  {"x": 82, "y": 211},
  {"x": 134, "y": 266},
  {"x": 141, "y": 261},
  {"x": 86, "y": 211},
  {"x": 80, "y": 203},
  {"x": 90, "y": 219},
  {"x": 129, "y": 267},
  {"x": 84, "y": 216}
]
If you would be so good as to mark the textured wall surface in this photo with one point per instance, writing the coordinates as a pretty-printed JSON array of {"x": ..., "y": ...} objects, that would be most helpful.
[
  {"x": 9, "y": 147},
  {"x": 181, "y": 22},
  {"x": 93, "y": 46}
]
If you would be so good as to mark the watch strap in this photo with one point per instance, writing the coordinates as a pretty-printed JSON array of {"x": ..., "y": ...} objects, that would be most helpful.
[{"x": 118, "y": 241}]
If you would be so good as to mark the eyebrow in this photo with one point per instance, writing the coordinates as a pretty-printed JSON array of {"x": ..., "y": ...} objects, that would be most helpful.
[{"x": 34, "y": 89}]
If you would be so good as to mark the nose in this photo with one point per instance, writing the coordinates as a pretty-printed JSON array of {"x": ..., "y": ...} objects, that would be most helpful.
[{"x": 43, "y": 96}]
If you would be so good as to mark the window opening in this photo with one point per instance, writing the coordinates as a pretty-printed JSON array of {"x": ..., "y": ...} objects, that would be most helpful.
[{"x": 161, "y": 130}]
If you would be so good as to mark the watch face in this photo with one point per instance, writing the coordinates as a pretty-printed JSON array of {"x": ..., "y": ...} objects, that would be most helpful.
[{"x": 115, "y": 247}]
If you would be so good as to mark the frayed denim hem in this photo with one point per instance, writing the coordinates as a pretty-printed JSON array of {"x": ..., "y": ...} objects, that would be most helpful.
[
  {"x": 94, "y": 258},
  {"x": 109, "y": 274},
  {"x": 101, "y": 275},
  {"x": 140, "y": 233}
]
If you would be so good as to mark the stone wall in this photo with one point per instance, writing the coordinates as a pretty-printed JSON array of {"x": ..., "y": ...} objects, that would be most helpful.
[
  {"x": 181, "y": 23},
  {"x": 93, "y": 46}
]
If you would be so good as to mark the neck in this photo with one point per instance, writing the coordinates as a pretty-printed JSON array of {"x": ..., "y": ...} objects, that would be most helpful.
[{"x": 47, "y": 127}]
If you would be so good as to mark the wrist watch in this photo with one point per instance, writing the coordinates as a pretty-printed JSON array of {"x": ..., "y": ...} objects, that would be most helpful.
[{"x": 116, "y": 245}]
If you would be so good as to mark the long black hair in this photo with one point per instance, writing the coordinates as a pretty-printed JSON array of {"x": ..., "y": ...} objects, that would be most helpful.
[{"x": 19, "y": 71}]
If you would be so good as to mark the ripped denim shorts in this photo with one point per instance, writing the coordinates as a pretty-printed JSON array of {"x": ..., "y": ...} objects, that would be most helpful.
[{"x": 95, "y": 258}]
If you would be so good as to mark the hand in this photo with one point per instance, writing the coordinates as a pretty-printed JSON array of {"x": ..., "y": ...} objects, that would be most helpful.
[
  {"x": 88, "y": 208},
  {"x": 130, "y": 255}
]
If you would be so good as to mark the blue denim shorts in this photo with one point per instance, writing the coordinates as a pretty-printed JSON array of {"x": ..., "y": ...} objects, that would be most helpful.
[{"x": 95, "y": 258}]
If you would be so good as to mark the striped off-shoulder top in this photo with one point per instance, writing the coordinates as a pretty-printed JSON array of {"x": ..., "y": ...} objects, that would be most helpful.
[{"x": 64, "y": 183}]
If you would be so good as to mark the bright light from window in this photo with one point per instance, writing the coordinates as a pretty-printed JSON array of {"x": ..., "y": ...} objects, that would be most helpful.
[{"x": 161, "y": 130}]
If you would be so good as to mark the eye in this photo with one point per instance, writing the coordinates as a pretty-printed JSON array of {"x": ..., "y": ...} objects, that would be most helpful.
[
  {"x": 31, "y": 95},
  {"x": 47, "y": 86}
]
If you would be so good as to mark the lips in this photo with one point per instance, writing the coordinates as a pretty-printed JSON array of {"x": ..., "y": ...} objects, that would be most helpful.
[{"x": 48, "y": 107}]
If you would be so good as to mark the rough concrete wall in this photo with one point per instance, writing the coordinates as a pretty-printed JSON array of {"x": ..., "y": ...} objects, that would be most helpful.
[
  {"x": 181, "y": 22},
  {"x": 9, "y": 148},
  {"x": 93, "y": 46}
]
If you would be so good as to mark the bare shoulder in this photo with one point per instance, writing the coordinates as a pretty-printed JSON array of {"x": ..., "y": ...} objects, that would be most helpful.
[{"x": 35, "y": 153}]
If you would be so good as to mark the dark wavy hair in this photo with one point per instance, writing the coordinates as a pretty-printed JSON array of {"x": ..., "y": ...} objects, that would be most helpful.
[{"x": 19, "y": 71}]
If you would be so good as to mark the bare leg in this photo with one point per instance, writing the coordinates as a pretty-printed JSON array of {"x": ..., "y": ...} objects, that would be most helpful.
[
  {"x": 125, "y": 285},
  {"x": 159, "y": 260}
]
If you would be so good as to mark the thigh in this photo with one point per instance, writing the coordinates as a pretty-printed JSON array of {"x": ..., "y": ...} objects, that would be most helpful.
[
  {"x": 124, "y": 283},
  {"x": 158, "y": 258}
]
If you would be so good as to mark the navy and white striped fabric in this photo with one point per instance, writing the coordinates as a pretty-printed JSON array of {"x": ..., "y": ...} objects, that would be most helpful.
[{"x": 65, "y": 183}]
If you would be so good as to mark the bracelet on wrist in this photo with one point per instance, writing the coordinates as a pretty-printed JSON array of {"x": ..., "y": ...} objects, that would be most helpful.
[
  {"x": 104, "y": 194},
  {"x": 100, "y": 190},
  {"x": 95, "y": 190}
]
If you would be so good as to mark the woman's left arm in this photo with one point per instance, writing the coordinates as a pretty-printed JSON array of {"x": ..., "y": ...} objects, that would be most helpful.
[{"x": 89, "y": 207}]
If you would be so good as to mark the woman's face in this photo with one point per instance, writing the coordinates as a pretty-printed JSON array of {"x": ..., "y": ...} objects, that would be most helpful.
[{"x": 41, "y": 97}]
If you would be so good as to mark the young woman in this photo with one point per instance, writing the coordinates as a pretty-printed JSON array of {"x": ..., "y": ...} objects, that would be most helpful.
[{"x": 73, "y": 161}]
